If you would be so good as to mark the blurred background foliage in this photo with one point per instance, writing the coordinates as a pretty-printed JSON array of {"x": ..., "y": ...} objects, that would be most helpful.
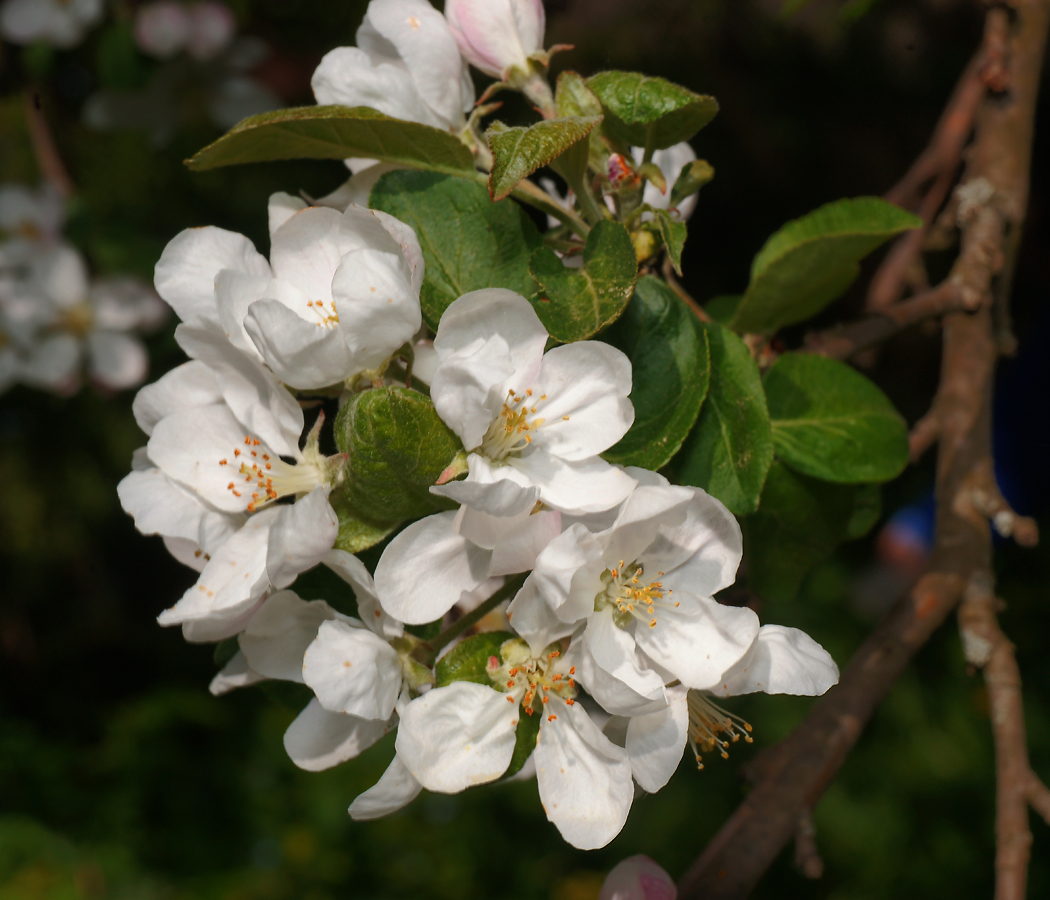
[{"x": 121, "y": 777}]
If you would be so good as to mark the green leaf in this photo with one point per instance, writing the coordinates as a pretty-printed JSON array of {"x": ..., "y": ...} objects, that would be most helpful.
[
  {"x": 811, "y": 261},
  {"x": 674, "y": 234},
  {"x": 468, "y": 241},
  {"x": 690, "y": 180},
  {"x": 468, "y": 660},
  {"x": 356, "y": 533},
  {"x": 723, "y": 307},
  {"x": 580, "y": 302},
  {"x": 730, "y": 450},
  {"x": 799, "y": 523},
  {"x": 572, "y": 97},
  {"x": 336, "y": 132},
  {"x": 646, "y": 111},
  {"x": 518, "y": 152},
  {"x": 671, "y": 369},
  {"x": 397, "y": 447},
  {"x": 831, "y": 422},
  {"x": 867, "y": 509}
]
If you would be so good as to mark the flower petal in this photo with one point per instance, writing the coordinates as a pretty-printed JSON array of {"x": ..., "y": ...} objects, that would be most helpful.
[
  {"x": 781, "y": 661},
  {"x": 236, "y": 673},
  {"x": 281, "y": 208},
  {"x": 276, "y": 638},
  {"x": 424, "y": 570},
  {"x": 184, "y": 387},
  {"x": 585, "y": 486},
  {"x": 319, "y": 739},
  {"x": 520, "y": 545},
  {"x": 614, "y": 651},
  {"x": 301, "y": 537},
  {"x": 655, "y": 742},
  {"x": 235, "y": 292},
  {"x": 354, "y": 573},
  {"x": 534, "y": 620},
  {"x": 116, "y": 361},
  {"x": 568, "y": 572},
  {"x": 584, "y": 779},
  {"x": 464, "y": 387},
  {"x": 353, "y": 671},
  {"x": 453, "y": 737},
  {"x": 396, "y": 788}
]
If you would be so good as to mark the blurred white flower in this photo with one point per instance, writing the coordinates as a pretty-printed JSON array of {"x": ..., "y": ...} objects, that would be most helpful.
[
  {"x": 497, "y": 36},
  {"x": 61, "y": 23}
]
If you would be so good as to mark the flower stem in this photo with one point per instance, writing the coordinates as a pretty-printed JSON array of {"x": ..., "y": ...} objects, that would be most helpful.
[
  {"x": 509, "y": 589},
  {"x": 530, "y": 193}
]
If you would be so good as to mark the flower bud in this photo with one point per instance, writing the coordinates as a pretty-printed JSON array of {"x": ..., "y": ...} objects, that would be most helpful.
[
  {"x": 497, "y": 36},
  {"x": 162, "y": 28},
  {"x": 212, "y": 26},
  {"x": 638, "y": 878}
]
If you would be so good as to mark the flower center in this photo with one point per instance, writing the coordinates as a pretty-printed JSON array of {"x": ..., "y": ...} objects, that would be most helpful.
[
  {"x": 631, "y": 597},
  {"x": 710, "y": 726},
  {"x": 78, "y": 320},
  {"x": 263, "y": 477},
  {"x": 511, "y": 431},
  {"x": 532, "y": 680},
  {"x": 325, "y": 318}
]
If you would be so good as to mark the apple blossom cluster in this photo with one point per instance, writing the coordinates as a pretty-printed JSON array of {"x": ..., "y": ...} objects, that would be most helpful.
[
  {"x": 608, "y": 650},
  {"x": 60, "y": 23},
  {"x": 55, "y": 319}
]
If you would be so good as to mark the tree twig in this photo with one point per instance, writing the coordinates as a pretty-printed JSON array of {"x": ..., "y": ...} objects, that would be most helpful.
[
  {"x": 686, "y": 297},
  {"x": 47, "y": 156},
  {"x": 796, "y": 772}
]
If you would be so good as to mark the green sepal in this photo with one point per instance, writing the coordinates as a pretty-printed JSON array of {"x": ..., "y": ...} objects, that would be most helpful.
[
  {"x": 525, "y": 737},
  {"x": 831, "y": 422},
  {"x": 646, "y": 111},
  {"x": 356, "y": 533},
  {"x": 468, "y": 660},
  {"x": 671, "y": 371},
  {"x": 397, "y": 446},
  {"x": 580, "y": 302},
  {"x": 468, "y": 242},
  {"x": 335, "y": 132},
  {"x": 731, "y": 449},
  {"x": 692, "y": 177},
  {"x": 673, "y": 232}
]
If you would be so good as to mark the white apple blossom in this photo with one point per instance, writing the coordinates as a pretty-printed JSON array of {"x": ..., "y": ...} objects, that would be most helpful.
[
  {"x": 671, "y": 162},
  {"x": 638, "y": 878},
  {"x": 162, "y": 28},
  {"x": 406, "y": 64},
  {"x": 497, "y": 36},
  {"x": 32, "y": 215},
  {"x": 339, "y": 295},
  {"x": 61, "y": 23},
  {"x": 463, "y": 734},
  {"x": 641, "y": 594},
  {"x": 535, "y": 419}
]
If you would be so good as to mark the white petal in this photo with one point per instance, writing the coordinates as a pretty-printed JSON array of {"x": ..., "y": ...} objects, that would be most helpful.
[
  {"x": 186, "y": 552},
  {"x": 424, "y": 570},
  {"x": 308, "y": 248},
  {"x": 568, "y": 573},
  {"x": 191, "y": 384},
  {"x": 232, "y": 582},
  {"x": 301, "y": 537},
  {"x": 378, "y": 310},
  {"x": 584, "y": 779},
  {"x": 358, "y": 188},
  {"x": 319, "y": 739},
  {"x": 465, "y": 386},
  {"x": 236, "y": 673},
  {"x": 116, "y": 361},
  {"x": 649, "y": 510},
  {"x": 353, "y": 671},
  {"x": 52, "y": 364},
  {"x": 262, "y": 405},
  {"x": 281, "y": 208},
  {"x": 781, "y": 661},
  {"x": 520, "y": 545},
  {"x": 395, "y": 789},
  {"x": 457, "y": 736},
  {"x": 612, "y": 694},
  {"x": 480, "y": 315},
  {"x": 586, "y": 410},
  {"x": 489, "y": 497},
  {"x": 277, "y": 636},
  {"x": 589, "y": 485},
  {"x": 370, "y": 610},
  {"x": 303, "y": 354},
  {"x": 533, "y": 619},
  {"x": 614, "y": 652},
  {"x": 655, "y": 742},
  {"x": 700, "y": 639},
  {"x": 235, "y": 292},
  {"x": 185, "y": 274}
]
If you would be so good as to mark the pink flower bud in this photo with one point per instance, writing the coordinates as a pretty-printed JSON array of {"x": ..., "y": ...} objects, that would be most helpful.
[
  {"x": 497, "y": 35},
  {"x": 162, "y": 28},
  {"x": 212, "y": 26},
  {"x": 638, "y": 878}
]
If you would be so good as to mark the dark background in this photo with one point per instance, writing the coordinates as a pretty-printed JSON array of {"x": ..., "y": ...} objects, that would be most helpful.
[{"x": 121, "y": 777}]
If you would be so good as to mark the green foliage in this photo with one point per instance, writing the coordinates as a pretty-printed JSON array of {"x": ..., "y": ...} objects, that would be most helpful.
[
  {"x": 468, "y": 242},
  {"x": 356, "y": 532},
  {"x": 831, "y": 422},
  {"x": 692, "y": 177},
  {"x": 650, "y": 112},
  {"x": 397, "y": 447},
  {"x": 580, "y": 302},
  {"x": 468, "y": 660},
  {"x": 525, "y": 737},
  {"x": 811, "y": 261},
  {"x": 730, "y": 450},
  {"x": 120, "y": 65},
  {"x": 572, "y": 97},
  {"x": 673, "y": 233},
  {"x": 336, "y": 132},
  {"x": 518, "y": 152},
  {"x": 799, "y": 523},
  {"x": 671, "y": 370}
]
